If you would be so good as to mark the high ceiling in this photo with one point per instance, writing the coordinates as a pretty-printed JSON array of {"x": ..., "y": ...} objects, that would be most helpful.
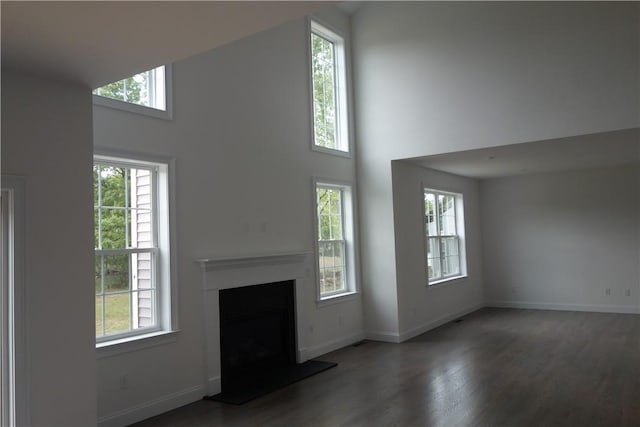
[
  {"x": 95, "y": 43},
  {"x": 599, "y": 150}
]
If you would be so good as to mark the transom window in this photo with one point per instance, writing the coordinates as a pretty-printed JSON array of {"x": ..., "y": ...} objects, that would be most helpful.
[
  {"x": 131, "y": 247},
  {"x": 334, "y": 240},
  {"x": 328, "y": 77},
  {"x": 146, "y": 93},
  {"x": 444, "y": 229}
]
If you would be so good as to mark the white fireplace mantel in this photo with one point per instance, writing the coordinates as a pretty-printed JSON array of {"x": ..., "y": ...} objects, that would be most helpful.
[
  {"x": 233, "y": 272},
  {"x": 222, "y": 263}
]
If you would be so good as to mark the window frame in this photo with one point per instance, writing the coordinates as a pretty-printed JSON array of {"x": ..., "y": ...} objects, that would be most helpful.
[
  {"x": 348, "y": 217},
  {"x": 165, "y": 266},
  {"x": 460, "y": 236},
  {"x": 15, "y": 355},
  {"x": 166, "y": 114},
  {"x": 341, "y": 87}
]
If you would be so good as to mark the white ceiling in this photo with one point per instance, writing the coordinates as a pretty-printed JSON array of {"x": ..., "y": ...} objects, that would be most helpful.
[
  {"x": 598, "y": 150},
  {"x": 96, "y": 43}
]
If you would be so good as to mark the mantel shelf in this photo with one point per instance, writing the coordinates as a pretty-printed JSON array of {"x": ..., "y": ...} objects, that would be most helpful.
[{"x": 209, "y": 264}]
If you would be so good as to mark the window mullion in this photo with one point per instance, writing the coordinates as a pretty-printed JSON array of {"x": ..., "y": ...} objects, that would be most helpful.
[
  {"x": 104, "y": 306},
  {"x": 99, "y": 207},
  {"x": 126, "y": 207}
]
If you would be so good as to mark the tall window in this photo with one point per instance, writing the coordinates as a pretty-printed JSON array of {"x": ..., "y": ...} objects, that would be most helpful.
[
  {"x": 328, "y": 77},
  {"x": 334, "y": 240},
  {"x": 146, "y": 93},
  {"x": 444, "y": 229},
  {"x": 132, "y": 250}
]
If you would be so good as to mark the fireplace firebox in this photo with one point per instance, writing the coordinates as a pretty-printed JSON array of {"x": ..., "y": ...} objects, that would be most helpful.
[{"x": 257, "y": 331}]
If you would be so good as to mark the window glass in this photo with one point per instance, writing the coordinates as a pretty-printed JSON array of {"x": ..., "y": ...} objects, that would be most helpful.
[
  {"x": 147, "y": 89},
  {"x": 126, "y": 248},
  {"x": 328, "y": 78},
  {"x": 442, "y": 214},
  {"x": 331, "y": 242}
]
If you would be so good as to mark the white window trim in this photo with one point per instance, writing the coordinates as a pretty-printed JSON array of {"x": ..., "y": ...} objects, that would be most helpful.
[
  {"x": 460, "y": 232},
  {"x": 167, "y": 313},
  {"x": 350, "y": 236},
  {"x": 17, "y": 359},
  {"x": 167, "y": 114},
  {"x": 343, "y": 115}
]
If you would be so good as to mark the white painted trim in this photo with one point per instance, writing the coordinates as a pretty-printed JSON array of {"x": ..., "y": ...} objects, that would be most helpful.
[
  {"x": 418, "y": 330},
  {"x": 231, "y": 262},
  {"x": 153, "y": 407},
  {"x": 134, "y": 343},
  {"x": 391, "y": 337},
  {"x": 599, "y": 308},
  {"x": 333, "y": 345},
  {"x": 214, "y": 385},
  {"x": 19, "y": 283}
]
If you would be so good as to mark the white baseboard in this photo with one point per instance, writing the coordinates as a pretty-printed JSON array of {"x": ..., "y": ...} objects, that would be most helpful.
[
  {"x": 421, "y": 329},
  {"x": 600, "y": 308},
  {"x": 391, "y": 337},
  {"x": 214, "y": 386},
  {"x": 153, "y": 407},
  {"x": 333, "y": 345}
]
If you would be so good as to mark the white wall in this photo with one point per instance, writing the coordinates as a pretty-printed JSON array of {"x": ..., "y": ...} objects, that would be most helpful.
[
  {"x": 421, "y": 307},
  {"x": 46, "y": 137},
  {"x": 241, "y": 139},
  {"x": 559, "y": 240},
  {"x": 440, "y": 77}
]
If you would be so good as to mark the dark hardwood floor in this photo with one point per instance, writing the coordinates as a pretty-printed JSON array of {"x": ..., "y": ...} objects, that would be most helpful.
[{"x": 498, "y": 367}]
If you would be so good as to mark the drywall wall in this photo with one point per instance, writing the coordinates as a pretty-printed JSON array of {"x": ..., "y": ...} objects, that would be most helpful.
[
  {"x": 562, "y": 240},
  {"x": 423, "y": 307},
  {"x": 240, "y": 138},
  {"x": 435, "y": 77},
  {"x": 46, "y": 138}
]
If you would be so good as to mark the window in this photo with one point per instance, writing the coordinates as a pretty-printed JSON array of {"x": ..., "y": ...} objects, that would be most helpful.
[
  {"x": 132, "y": 278},
  {"x": 328, "y": 78},
  {"x": 13, "y": 369},
  {"x": 145, "y": 93},
  {"x": 334, "y": 227},
  {"x": 444, "y": 229}
]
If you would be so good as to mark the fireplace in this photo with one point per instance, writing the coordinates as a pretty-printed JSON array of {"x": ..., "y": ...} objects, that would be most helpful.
[
  {"x": 257, "y": 331},
  {"x": 284, "y": 286},
  {"x": 228, "y": 273}
]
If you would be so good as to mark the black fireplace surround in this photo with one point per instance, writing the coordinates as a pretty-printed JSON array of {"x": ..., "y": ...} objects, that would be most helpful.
[
  {"x": 258, "y": 342},
  {"x": 257, "y": 330}
]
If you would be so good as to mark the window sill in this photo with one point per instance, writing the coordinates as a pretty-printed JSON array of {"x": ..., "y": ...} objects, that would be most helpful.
[
  {"x": 443, "y": 282},
  {"x": 135, "y": 343},
  {"x": 332, "y": 151},
  {"x": 337, "y": 299},
  {"x": 115, "y": 104}
]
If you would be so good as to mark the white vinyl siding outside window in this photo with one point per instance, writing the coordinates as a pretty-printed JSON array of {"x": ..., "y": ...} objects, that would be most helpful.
[
  {"x": 131, "y": 238},
  {"x": 329, "y": 92},
  {"x": 443, "y": 227}
]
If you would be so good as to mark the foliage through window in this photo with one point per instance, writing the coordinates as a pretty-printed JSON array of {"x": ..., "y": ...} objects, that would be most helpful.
[
  {"x": 128, "y": 248},
  {"x": 328, "y": 76},
  {"x": 147, "y": 89},
  {"x": 443, "y": 212},
  {"x": 334, "y": 223}
]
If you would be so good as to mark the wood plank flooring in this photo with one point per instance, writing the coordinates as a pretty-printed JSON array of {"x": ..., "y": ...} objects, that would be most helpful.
[{"x": 498, "y": 367}]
